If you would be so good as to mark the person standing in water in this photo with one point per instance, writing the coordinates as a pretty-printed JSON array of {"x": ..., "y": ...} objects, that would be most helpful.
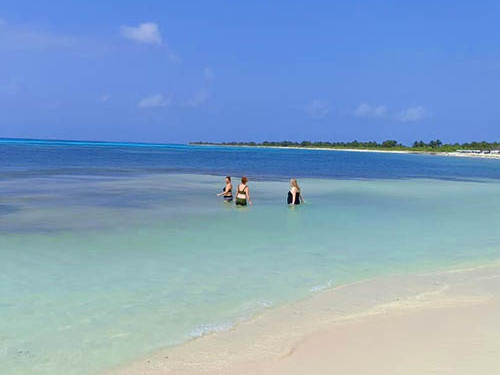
[
  {"x": 227, "y": 191},
  {"x": 243, "y": 193},
  {"x": 294, "y": 196}
]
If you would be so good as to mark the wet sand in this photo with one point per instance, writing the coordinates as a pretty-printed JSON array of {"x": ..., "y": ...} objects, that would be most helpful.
[{"x": 436, "y": 323}]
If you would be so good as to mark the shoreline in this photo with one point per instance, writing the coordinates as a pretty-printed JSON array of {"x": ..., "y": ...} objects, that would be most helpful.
[
  {"x": 286, "y": 339},
  {"x": 443, "y": 153}
]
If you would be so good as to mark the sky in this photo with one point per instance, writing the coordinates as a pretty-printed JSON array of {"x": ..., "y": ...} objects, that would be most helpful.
[{"x": 181, "y": 71}]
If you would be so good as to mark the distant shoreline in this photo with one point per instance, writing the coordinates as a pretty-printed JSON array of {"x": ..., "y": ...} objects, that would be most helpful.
[
  {"x": 434, "y": 153},
  {"x": 145, "y": 144}
]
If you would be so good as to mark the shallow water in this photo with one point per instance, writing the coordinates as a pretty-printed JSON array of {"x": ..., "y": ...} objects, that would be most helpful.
[{"x": 100, "y": 268}]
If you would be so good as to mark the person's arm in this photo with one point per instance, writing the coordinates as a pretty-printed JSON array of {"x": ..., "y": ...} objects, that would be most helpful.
[
  {"x": 226, "y": 189},
  {"x": 301, "y": 198},
  {"x": 248, "y": 195},
  {"x": 294, "y": 195}
]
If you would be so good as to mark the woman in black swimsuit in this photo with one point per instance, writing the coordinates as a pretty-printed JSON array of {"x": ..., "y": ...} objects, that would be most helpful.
[
  {"x": 227, "y": 191},
  {"x": 294, "y": 196}
]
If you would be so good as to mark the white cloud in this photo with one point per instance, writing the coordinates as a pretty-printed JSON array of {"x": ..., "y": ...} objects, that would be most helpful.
[
  {"x": 371, "y": 111},
  {"x": 412, "y": 114},
  {"x": 154, "y": 101},
  {"x": 104, "y": 98},
  {"x": 318, "y": 109},
  {"x": 148, "y": 33},
  {"x": 199, "y": 99},
  {"x": 208, "y": 75},
  {"x": 380, "y": 111}
]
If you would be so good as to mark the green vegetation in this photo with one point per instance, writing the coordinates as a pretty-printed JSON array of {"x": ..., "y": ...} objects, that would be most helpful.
[{"x": 432, "y": 146}]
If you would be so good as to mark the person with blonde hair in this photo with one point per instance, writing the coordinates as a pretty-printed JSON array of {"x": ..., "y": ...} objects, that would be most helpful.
[{"x": 294, "y": 196}]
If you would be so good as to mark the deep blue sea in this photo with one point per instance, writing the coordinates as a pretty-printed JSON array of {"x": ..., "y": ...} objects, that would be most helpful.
[
  {"x": 32, "y": 158},
  {"x": 109, "y": 251}
]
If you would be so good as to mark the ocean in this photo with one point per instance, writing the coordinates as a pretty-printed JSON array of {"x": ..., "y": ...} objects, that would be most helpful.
[{"x": 109, "y": 251}]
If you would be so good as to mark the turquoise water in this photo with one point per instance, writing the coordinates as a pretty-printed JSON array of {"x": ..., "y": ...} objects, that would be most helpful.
[{"x": 100, "y": 268}]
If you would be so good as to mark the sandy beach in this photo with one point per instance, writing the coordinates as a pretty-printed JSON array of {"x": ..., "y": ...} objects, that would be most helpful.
[
  {"x": 484, "y": 156},
  {"x": 457, "y": 154},
  {"x": 435, "y": 323}
]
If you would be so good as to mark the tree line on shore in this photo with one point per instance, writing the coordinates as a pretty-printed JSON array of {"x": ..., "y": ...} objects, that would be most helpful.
[{"x": 433, "y": 145}]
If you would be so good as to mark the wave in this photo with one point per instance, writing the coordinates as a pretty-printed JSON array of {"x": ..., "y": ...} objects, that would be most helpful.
[
  {"x": 206, "y": 329},
  {"x": 321, "y": 287}
]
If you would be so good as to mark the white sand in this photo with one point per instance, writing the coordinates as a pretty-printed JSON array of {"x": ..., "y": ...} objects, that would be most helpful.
[
  {"x": 484, "y": 156},
  {"x": 456, "y": 341},
  {"x": 458, "y": 154},
  {"x": 441, "y": 323}
]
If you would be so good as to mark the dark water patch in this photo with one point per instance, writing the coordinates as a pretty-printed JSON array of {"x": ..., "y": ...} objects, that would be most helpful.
[
  {"x": 119, "y": 199},
  {"x": 6, "y": 209}
]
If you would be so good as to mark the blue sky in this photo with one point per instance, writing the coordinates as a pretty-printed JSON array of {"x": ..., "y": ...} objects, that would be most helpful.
[{"x": 165, "y": 71}]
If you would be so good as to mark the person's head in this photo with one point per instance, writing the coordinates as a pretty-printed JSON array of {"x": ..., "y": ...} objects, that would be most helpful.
[
  {"x": 244, "y": 180},
  {"x": 228, "y": 179},
  {"x": 294, "y": 183}
]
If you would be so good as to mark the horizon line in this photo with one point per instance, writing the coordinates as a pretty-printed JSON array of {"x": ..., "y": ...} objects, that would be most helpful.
[
  {"x": 189, "y": 143},
  {"x": 75, "y": 141}
]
